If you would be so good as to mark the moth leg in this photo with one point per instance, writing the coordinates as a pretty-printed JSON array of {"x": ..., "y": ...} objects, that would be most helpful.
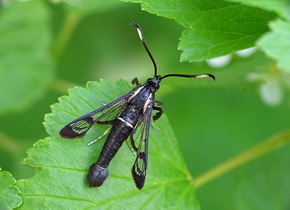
[
  {"x": 108, "y": 122},
  {"x": 135, "y": 81},
  {"x": 101, "y": 136},
  {"x": 157, "y": 102},
  {"x": 154, "y": 126},
  {"x": 158, "y": 114},
  {"x": 132, "y": 145}
]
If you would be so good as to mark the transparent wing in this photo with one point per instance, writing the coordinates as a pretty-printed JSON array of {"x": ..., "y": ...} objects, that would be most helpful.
[
  {"x": 139, "y": 169},
  {"x": 136, "y": 133},
  {"x": 80, "y": 126}
]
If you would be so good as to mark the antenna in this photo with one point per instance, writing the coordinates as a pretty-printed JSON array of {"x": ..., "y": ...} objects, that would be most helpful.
[
  {"x": 145, "y": 45},
  {"x": 153, "y": 61},
  {"x": 188, "y": 76}
]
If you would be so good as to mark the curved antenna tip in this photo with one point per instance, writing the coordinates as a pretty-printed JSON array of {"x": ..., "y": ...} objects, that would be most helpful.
[
  {"x": 203, "y": 76},
  {"x": 212, "y": 76},
  {"x": 134, "y": 24}
]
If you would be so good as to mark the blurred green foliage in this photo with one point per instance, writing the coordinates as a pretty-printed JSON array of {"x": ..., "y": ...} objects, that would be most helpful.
[
  {"x": 49, "y": 47},
  {"x": 26, "y": 65}
]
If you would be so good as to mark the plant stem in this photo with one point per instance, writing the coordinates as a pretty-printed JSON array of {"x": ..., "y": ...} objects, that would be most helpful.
[
  {"x": 9, "y": 143},
  {"x": 70, "y": 22},
  {"x": 267, "y": 146},
  {"x": 62, "y": 86}
]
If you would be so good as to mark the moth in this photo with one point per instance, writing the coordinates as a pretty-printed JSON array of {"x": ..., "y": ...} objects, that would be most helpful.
[{"x": 133, "y": 117}]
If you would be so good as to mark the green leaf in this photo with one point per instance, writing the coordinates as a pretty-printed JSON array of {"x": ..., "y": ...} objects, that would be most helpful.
[
  {"x": 9, "y": 193},
  {"x": 214, "y": 28},
  {"x": 25, "y": 62},
  {"x": 276, "y": 43},
  {"x": 281, "y": 7},
  {"x": 61, "y": 165},
  {"x": 265, "y": 184}
]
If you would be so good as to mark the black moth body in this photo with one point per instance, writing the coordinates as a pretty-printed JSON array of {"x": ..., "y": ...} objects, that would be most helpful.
[{"x": 133, "y": 116}]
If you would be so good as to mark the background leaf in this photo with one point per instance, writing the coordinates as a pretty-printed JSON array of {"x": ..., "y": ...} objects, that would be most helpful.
[
  {"x": 61, "y": 165},
  {"x": 281, "y": 7},
  {"x": 276, "y": 43},
  {"x": 25, "y": 61},
  {"x": 9, "y": 196},
  {"x": 265, "y": 180},
  {"x": 215, "y": 28},
  {"x": 240, "y": 78}
]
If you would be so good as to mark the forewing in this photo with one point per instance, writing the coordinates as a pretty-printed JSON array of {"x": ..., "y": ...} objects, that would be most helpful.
[
  {"x": 80, "y": 126},
  {"x": 139, "y": 169}
]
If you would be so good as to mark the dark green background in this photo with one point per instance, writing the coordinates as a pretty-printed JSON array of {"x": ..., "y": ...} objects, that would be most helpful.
[{"x": 212, "y": 123}]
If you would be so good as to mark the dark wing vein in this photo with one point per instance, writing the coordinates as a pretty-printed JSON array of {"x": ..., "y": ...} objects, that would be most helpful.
[{"x": 80, "y": 126}]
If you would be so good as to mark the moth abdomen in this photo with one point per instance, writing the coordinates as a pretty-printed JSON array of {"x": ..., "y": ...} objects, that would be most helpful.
[{"x": 97, "y": 175}]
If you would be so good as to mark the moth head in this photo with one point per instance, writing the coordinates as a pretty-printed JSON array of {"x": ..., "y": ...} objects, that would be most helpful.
[{"x": 154, "y": 82}]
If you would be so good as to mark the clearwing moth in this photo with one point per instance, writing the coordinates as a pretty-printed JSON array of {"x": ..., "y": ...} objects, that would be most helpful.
[{"x": 132, "y": 119}]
